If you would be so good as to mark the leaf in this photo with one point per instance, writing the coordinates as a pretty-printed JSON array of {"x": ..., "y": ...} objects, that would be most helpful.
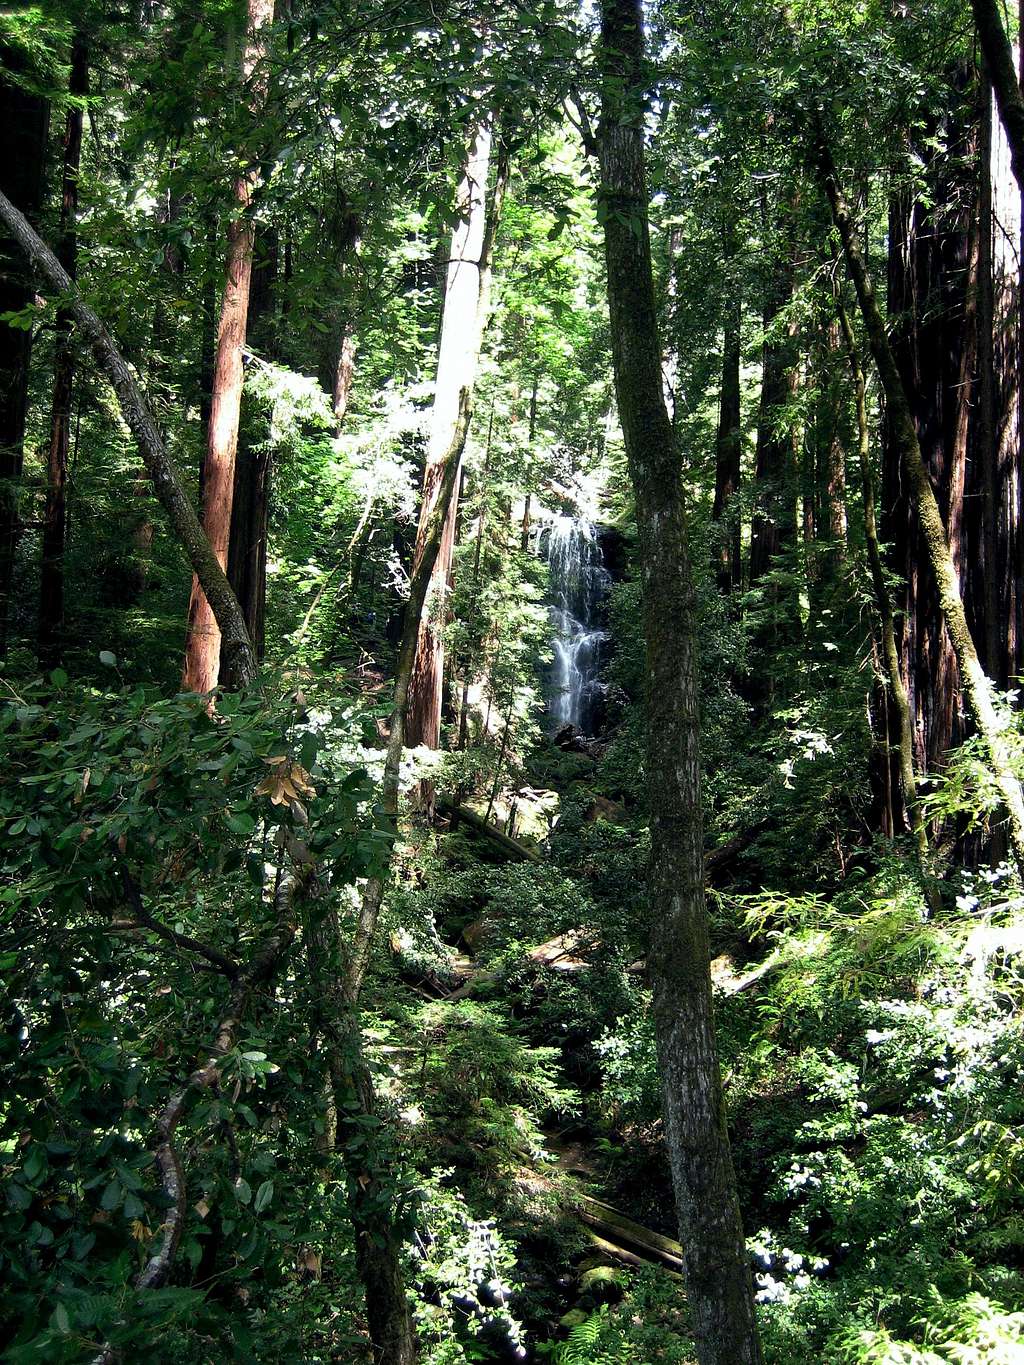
[
  {"x": 264, "y": 1195},
  {"x": 243, "y": 1191},
  {"x": 287, "y": 782},
  {"x": 107, "y": 659},
  {"x": 133, "y": 1206},
  {"x": 60, "y": 1319},
  {"x": 112, "y": 1195}
]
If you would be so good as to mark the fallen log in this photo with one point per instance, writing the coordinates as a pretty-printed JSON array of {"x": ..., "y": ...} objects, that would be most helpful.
[
  {"x": 611, "y": 1222},
  {"x": 621, "y": 1254},
  {"x": 512, "y": 848}
]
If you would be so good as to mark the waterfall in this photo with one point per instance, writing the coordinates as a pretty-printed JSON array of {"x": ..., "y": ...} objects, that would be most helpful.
[{"x": 578, "y": 586}]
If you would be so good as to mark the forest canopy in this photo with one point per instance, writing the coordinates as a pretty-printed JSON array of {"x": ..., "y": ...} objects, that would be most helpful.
[{"x": 511, "y": 628}]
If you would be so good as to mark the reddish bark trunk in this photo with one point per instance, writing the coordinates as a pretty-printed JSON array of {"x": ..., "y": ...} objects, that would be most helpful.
[
  {"x": 930, "y": 255},
  {"x": 202, "y": 648}
]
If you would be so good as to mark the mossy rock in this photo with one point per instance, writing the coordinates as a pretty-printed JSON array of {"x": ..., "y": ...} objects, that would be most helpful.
[
  {"x": 574, "y": 1318},
  {"x": 602, "y": 1284}
]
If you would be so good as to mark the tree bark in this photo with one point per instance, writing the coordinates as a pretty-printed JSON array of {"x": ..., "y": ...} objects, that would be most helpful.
[
  {"x": 254, "y": 462},
  {"x": 203, "y": 644},
  {"x": 1003, "y": 74},
  {"x": 716, "y": 1263},
  {"x": 24, "y": 123},
  {"x": 51, "y": 584},
  {"x": 344, "y": 372},
  {"x": 364, "y": 1158},
  {"x": 239, "y": 661},
  {"x": 463, "y": 321},
  {"x": 883, "y": 602},
  {"x": 930, "y": 262},
  {"x": 434, "y": 530},
  {"x": 977, "y": 688}
]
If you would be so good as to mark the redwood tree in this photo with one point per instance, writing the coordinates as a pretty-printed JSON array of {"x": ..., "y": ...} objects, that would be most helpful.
[
  {"x": 203, "y": 645},
  {"x": 977, "y": 687}
]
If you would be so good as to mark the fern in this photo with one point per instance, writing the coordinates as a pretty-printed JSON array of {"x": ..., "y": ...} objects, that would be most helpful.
[{"x": 586, "y": 1344}]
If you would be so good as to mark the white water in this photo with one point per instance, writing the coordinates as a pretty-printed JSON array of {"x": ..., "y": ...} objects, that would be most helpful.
[{"x": 579, "y": 584}]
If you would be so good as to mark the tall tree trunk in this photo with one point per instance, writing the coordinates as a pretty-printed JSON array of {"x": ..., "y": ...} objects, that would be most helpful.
[
  {"x": 51, "y": 586},
  {"x": 1005, "y": 82},
  {"x": 716, "y": 1264},
  {"x": 976, "y": 685},
  {"x": 774, "y": 522},
  {"x": 832, "y": 452},
  {"x": 239, "y": 661},
  {"x": 463, "y": 320},
  {"x": 254, "y": 464},
  {"x": 203, "y": 646},
  {"x": 883, "y": 604},
  {"x": 932, "y": 259},
  {"x": 24, "y": 123},
  {"x": 728, "y": 440}
]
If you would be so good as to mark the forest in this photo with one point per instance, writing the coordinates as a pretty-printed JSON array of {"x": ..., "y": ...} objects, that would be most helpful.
[{"x": 511, "y": 626}]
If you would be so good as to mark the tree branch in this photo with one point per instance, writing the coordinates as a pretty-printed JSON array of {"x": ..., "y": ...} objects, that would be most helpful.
[{"x": 145, "y": 920}]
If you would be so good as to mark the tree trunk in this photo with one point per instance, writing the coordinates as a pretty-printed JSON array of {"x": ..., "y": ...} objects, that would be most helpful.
[
  {"x": 247, "y": 546},
  {"x": 239, "y": 661},
  {"x": 931, "y": 259},
  {"x": 1008, "y": 358},
  {"x": 254, "y": 464},
  {"x": 51, "y": 586},
  {"x": 344, "y": 372},
  {"x": 716, "y": 1264},
  {"x": 728, "y": 441},
  {"x": 883, "y": 604},
  {"x": 1005, "y": 83},
  {"x": 24, "y": 122},
  {"x": 774, "y": 522},
  {"x": 481, "y": 523},
  {"x": 203, "y": 645},
  {"x": 463, "y": 320},
  {"x": 986, "y": 446},
  {"x": 976, "y": 685}
]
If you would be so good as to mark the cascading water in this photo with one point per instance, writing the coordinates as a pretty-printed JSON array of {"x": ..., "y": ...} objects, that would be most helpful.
[{"x": 579, "y": 586}]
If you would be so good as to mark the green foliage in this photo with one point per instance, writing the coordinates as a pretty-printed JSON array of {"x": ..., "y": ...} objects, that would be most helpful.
[
  {"x": 482, "y": 1088},
  {"x": 133, "y": 829},
  {"x": 648, "y": 1324}
]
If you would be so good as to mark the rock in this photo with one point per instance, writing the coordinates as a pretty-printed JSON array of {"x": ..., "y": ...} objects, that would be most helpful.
[
  {"x": 602, "y": 1284},
  {"x": 574, "y": 1318}
]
